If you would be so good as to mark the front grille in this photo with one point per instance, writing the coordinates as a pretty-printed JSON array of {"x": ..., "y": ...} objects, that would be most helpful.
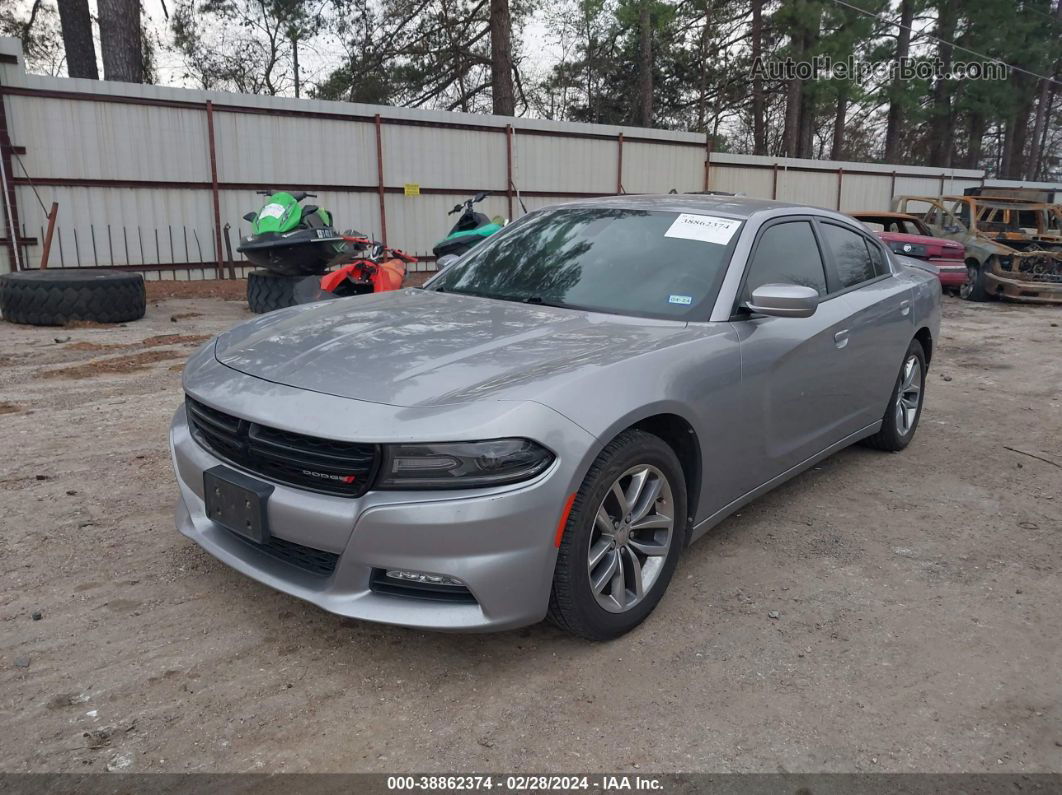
[
  {"x": 346, "y": 469},
  {"x": 314, "y": 561},
  {"x": 379, "y": 582}
]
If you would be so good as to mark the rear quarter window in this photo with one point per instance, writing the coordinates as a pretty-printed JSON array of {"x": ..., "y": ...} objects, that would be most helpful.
[{"x": 851, "y": 257}]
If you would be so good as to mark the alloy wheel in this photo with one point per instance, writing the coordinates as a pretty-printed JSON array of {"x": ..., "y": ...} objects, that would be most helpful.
[
  {"x": 908, "y": 395},
  {"x": 632, "y": 534},
  {"x": 967, "y": 287}
]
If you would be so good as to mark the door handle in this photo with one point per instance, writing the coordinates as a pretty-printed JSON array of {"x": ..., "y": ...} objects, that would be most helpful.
[
  {"x": 840, "y": 339},
  {"x": 905, "y": 307}
]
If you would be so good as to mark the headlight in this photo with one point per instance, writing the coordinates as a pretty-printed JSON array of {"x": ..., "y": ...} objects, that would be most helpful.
[{"x": 461, "y": 465}]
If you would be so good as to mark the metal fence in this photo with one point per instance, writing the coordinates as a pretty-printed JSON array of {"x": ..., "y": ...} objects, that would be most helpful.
[{"x": 153, "y": 178}]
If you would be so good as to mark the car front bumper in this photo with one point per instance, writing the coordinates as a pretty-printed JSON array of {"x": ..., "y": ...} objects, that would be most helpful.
[{"x": 498, "y": 542}]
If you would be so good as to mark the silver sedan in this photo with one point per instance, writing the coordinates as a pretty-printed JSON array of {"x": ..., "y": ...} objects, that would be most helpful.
[{"x": 542, "y": 429}]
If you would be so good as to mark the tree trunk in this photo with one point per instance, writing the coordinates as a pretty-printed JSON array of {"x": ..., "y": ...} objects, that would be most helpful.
[
  {"x": 1017, "y": 130},
  {"x": 120, "y": 42},
  {"x": 759, "y": 123},
  {"x": 1037, "y": 167},
  {"x": 794, "y": 92},
  {"x": 644, "y": 111},
  {"x": 974, "y": 141},
  {"x": 1045, "y": 95},
  {"x": 805, "y": 147},
  {"x": 837, "y": 151},
  {"x": 501, "y": 59},
  {"x": 77, "y": 39},
  {"x": 942, "y": 124},
  {"x": 895, "y": 119}
]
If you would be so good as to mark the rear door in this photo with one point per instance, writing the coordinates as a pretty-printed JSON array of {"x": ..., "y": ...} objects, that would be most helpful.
[
  {"x": 879, "y": 324},
  {"x": 796, "y": 396}
]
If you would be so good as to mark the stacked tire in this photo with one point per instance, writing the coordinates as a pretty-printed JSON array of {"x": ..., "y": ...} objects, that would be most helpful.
[
  {"x": 58, "y": 297},
  {"x": 267, "y": 291}
]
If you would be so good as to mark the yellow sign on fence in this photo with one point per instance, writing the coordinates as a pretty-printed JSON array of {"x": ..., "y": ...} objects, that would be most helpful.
[{"x": 412, "y": 189}]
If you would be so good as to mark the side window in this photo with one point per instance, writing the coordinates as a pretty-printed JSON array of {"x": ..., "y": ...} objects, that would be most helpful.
[
  {"x": 877, "y": 258},
  {"x": 786, "y": 253},
  {"x": 850, "y": 255}
]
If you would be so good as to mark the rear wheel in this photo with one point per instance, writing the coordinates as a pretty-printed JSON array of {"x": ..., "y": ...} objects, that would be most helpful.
[
  {"x": 623, "y": 538},
  {"x": 973, "y": 289},
  {"x": 905, "y": 405},
  {"x": 267, "y": 291}
]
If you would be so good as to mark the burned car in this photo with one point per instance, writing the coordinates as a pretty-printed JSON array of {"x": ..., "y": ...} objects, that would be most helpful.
[{"x": 1013, "y": 246}]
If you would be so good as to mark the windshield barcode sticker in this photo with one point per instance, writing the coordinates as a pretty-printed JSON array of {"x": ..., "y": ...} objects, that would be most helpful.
[{"x": 706, "y": 228}]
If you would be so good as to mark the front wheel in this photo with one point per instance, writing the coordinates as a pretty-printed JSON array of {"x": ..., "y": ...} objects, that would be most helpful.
[
  {"x": 973, "y": 289},
  {"x": 623, "y": 539},
  {"x": 905, "y": 404}
]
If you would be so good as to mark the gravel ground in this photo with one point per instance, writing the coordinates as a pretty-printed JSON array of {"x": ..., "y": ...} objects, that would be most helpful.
[{"x": 917, "y": 596}]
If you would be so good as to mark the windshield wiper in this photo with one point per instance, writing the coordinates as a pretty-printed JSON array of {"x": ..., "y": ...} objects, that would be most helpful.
[{"x": 538, "y": 300}]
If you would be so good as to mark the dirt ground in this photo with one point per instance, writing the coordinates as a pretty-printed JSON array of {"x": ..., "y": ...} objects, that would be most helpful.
[{"x": 918, "y": 600}]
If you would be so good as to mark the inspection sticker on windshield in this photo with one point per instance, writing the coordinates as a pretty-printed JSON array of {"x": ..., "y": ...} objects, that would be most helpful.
[
  {"x": 680, "y": 299},
  {"x": 706, "y": 228}
]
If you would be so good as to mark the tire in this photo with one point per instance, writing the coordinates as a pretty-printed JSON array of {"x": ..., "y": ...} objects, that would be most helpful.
[
  {"x": 267, "y": 291},
  {"x": 57, "y": 297},
  {"x": 574, "y": 605},
  {"x": 973, "y": 289},
  {"x": 898, "y": 429}
]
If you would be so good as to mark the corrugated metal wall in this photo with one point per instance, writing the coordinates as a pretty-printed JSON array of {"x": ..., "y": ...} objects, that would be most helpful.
[{"x": 130, "y": 167}]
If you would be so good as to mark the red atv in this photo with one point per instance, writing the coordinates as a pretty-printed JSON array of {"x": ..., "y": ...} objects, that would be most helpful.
[{"x": 377, "y": 270}]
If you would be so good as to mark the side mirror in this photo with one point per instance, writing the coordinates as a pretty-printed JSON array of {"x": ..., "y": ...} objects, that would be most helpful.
[
  {"x": 250, "y": 217},
  {"x": 784, "y": 300}
]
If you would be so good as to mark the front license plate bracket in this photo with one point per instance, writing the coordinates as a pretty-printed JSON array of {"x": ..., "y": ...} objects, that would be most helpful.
[{"x": 237, "y": 502}]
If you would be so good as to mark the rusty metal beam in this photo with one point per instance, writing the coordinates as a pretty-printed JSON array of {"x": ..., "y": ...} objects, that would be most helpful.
[
  {"x": 380, "y": 177},
  {"x": 52, "y": 213},
  {"x": 214, "y": 186}
]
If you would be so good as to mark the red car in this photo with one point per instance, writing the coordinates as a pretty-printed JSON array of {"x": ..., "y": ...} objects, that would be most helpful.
[{"x": 909, "y": 236}]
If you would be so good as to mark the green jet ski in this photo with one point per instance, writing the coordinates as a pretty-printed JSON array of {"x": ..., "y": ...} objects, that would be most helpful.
[{"x": 290, "y": 238}]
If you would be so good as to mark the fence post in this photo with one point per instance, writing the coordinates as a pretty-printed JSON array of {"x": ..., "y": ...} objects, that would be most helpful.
[
  {"x": 619, "y": 164},
  {"x": 774, "y": 182},
  {"x": 892, "y": 188},
  {"x": 7, "y": 185},
  {"x": 942, "y": 175},
  {"x": 509, "y": 167},
  {"x": 840, "y": 181},
  {"x": 380, "y": 178},
  {"x": 707, "y": 161},
  {"x": 214, "y": 188}
]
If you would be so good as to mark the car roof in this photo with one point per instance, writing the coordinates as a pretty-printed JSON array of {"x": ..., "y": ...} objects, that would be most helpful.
[
  {"x": 729, "y": 206},
  {"x": 881, "y": 214}
]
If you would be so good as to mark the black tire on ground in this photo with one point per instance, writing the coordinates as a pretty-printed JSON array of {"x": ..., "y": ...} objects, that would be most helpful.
[
  {"x": 892, "y": 437},
  {"x": 572, "y": 603},
  {"x": 56, "y": 297},
  {"x": 267, "y": 291},
  {"x": 973, "y": 289}
]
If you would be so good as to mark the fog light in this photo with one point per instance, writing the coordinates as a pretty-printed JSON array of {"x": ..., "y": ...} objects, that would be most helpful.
[{"x": 427, "y": 579}]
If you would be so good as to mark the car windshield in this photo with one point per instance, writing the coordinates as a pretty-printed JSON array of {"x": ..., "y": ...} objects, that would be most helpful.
[{"x": 623, "y": 261}]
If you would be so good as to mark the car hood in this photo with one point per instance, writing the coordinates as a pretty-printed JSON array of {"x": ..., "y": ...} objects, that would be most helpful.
[{"x": 420, "y": 348}]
